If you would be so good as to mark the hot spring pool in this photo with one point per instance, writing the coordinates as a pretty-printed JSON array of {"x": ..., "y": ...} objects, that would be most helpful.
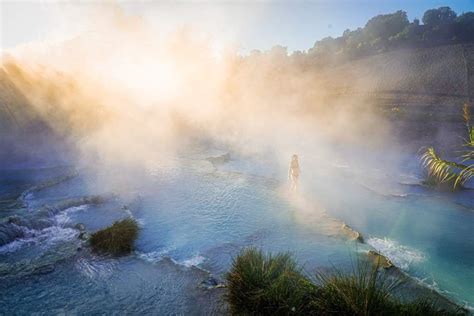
[{"x": 195, "y": 217}]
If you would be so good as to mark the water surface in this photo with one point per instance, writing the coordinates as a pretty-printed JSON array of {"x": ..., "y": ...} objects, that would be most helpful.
[{"x": 196, "y": 216}]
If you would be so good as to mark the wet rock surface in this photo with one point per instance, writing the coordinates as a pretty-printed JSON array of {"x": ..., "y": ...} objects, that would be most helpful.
[{"x": 219, "y": 160}]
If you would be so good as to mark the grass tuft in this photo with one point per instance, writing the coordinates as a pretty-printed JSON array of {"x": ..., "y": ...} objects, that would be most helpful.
[
  {"x": 261, "y": 283},
  {"x": 425, "y": 307},
  {"x": 363, "y": 291},
  {"x": 117, "y": 239},
  {"x": 265, "y": 284}
]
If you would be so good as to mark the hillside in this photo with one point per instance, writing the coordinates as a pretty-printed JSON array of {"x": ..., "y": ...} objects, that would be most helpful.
[
  {"x": 421, "y": 91},
  {"x": 427, "y": 85},
  {"x": 420, "y": 75}
]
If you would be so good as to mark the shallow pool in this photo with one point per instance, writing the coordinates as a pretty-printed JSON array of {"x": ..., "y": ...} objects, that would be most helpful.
[{"x": 195, "y": 216}]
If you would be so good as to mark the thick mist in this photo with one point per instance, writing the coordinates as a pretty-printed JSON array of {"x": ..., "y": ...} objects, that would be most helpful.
[{"x": 127, "y": 97}]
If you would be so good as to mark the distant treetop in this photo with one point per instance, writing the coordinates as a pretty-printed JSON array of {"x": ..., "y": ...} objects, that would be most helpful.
[
  {"x": 442, "y": 15},
  {"x": 385, "y": 32}
]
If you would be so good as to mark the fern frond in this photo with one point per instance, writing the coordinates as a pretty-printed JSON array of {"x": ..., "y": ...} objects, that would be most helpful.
[
  {"x": 466, "y": 174},
  {"x": 467, "y": 118},
  {"x": 442, "y": 170}
]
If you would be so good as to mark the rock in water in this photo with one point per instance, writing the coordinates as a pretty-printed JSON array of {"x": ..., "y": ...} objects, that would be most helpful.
[
  {"x": 219, "y": 160},
  {"x": 80, "y": 226},
  {"x": 211, "y": 283},
  {"x": 44, "y": 269},
  {"x": 351, "y": 233},
  {"x": 380, "y": 259},
  {"x": 83, "y": 235}
]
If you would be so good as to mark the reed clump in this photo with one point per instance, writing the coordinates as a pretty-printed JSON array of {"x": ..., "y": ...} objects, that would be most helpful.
[
  {"x": 264, "y": 284},
  {"x": 117, "y": 239}
]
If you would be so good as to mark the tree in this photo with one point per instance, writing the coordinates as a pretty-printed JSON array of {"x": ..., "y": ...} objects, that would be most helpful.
[
  {"x": 325, "y": 46},
  {"x": 386, "y": 25},
  {"x": 466, "y": 19},
  {"x": 442, "y": 15},
  {"x": 411, "y": 35},
  {"x": 391, "y": 31},
  {"x": 465, "y": 26}
]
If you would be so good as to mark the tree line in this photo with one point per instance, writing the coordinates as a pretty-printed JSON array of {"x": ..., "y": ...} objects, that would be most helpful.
[{"x": 387, "y": 32}]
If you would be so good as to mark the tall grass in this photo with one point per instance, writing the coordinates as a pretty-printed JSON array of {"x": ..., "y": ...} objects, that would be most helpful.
[
  {"x": 363, "y": 291},
  {"x": 264, "y": 284},
  {"x": 117, "y": 239}
]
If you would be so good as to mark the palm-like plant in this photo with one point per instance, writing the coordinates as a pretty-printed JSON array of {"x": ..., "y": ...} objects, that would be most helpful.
[{"x": 445, "y": 171}]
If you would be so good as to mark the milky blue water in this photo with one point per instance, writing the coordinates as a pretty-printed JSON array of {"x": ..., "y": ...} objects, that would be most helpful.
[{"x": 195, "y": 217}]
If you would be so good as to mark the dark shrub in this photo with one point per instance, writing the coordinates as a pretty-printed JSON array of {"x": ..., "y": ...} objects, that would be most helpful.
[
  {"x": 117, "y": 239},
  {"x": 364, "y": 291},
  {"x": 264, "y": 284},
  {"x": 260, "y": 283}
]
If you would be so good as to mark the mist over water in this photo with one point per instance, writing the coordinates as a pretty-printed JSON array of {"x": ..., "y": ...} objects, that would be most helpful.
[
  {"x": 127, "y": 93},
  {"x": 138, "y": 113}
]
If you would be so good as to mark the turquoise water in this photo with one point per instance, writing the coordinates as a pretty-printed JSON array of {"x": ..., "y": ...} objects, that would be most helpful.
[{"x": 195, "y": 217}]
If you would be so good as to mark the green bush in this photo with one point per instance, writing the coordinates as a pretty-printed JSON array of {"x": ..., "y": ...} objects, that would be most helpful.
[
  {"x": 117, "y": 239},
  {"x": 364, "y": 291},
  {"x": 263, "y": 284},
  {"x": 260, "y": 283}
]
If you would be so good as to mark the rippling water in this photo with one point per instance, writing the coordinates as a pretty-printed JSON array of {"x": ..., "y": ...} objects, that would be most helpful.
[{"x": 195, "y": 217}]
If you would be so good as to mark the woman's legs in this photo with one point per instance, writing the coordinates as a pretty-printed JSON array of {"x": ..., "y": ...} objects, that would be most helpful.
[{"x": 294, "y": 183}]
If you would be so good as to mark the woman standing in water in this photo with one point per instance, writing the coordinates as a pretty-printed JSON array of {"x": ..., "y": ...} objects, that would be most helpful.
[{"x": 294, "y": 172}]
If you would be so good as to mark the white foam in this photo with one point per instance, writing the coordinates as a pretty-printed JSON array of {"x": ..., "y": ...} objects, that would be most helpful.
[
  {"x": 153, "y": 256},
  {"x": 28, "y": 196},
  {"x": 15, "y": 245},
  {"x": 54, "y": 234},
  {"x": 157, "y": 256},
  {"x": 431, "y": 284},
  {"x": 49, "y": 235},
  {"x": 140, "y": 222},
  {"x": 94, "y": 269},
  {"x": 63, "y": 217},
  {"x": 401, "y": 256},
  {"x": 45, "y": 237},
  {"x": 128, "y": 212},
  {"x": 193, "y": 261}
]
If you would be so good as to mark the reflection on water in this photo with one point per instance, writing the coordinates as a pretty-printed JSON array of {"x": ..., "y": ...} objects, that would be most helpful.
[{"x": 194, "y": 218}]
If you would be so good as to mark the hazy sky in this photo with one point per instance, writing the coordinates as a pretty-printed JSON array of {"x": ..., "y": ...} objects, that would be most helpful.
[{"x": 248, "y": 24}]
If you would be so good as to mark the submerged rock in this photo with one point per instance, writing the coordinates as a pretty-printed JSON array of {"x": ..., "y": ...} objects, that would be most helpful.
[
  {"x": 351, "y": 233},
  {"x": 380, "y": 259},
  {"x": 10, "y": 230},
  {"x": 44, "y": 269},
  {"x": 15, "y": 227},
  {"x": 80, "y": 226},
  {"x": 219, "y": 160},
  {"x": 211, "y": 283},
  {"x": 83, "y": 235}
]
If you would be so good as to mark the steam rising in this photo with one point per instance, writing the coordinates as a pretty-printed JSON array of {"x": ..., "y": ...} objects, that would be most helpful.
[{"x": 129, "y": 96}]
